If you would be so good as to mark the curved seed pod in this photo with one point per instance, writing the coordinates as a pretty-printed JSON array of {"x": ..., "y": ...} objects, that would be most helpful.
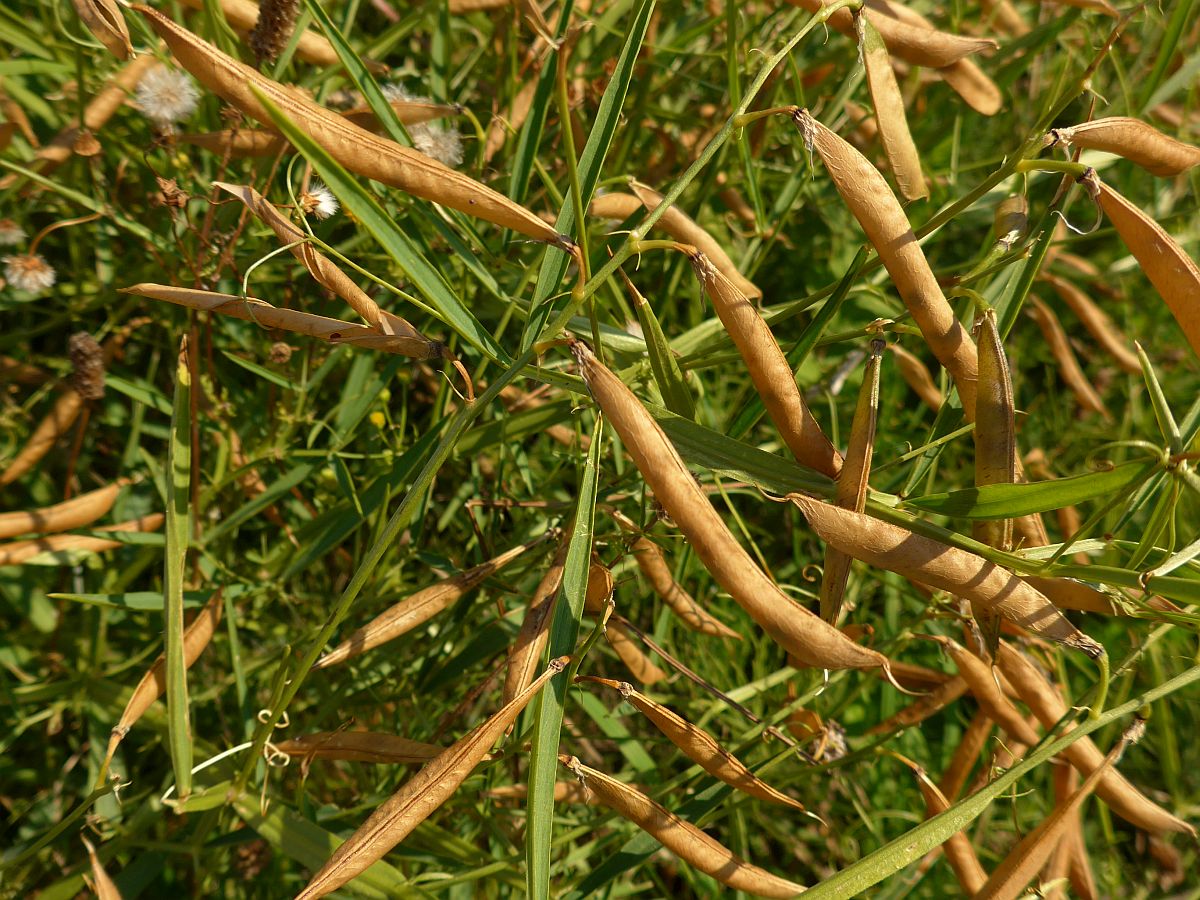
[
  {"x": 1137, "y": 141},
  {"x": 1071, "y": 850},
  {"x": 698, "y": 745},
  {"x": 1006, "y": 17},
  {"x": 60, "y": 418},
  {"x": 462, "y": 7},
  {"x": 420, "y": 796},
  {"x": 875, "y": 207},
  {"x": 923, "y": 707},
  {"x": 1045, "y": 702},
  {"x": 1064, "y": 357},
  {"x": 981, "y": 678},
  {"x": 852, "y": 482},
  {"x": 798, "y": 631},
  {"x": 526, "y": 652},
  {"x": 599, "y": 590},
  {"x": 906, "y": 40},
  {"x": 917, "y": 677},
  {"x": 19, "y": 551},
  {"x": 410, "y": 112},
  {"x": 769, "y": 369},
  {"x": 682, "y": 838},
  {"x": 902, "y": 155},
  {"x": 959, "y": 852},
  {"x": 417, "y": 608},
  {"x": 359, "y": 746},
  {"x": 675, "y": 222},
  {"x": 14, "y": 370},
  {"x": 1067, "y": 593},
  {"x": 518, "y": 112},
  {"x": 1021, "y": 865},
  {"x": 251, "y": 309},
  {"x": 1101, "y": 6},
  {"x": 1171, "y": 271},
  {"x": 1097, "y": 323},
  {"x": 357, "y": 149},
  {"x": 242, "y": 15},
  {"x": 106, "y": 888},
  {"x": 970, "y": 746},
  {"x": 319, "y": 266},
  {"x": 946, "y": 568},
  {"x": 564, "y": 792},
  {"x": 196, "y": 637},
  {"x": 917, "y": 377},
  {"x": 104, "y": 20},
  {"x": 73, "y": 513},
  {"x": 995, "y": 449},
  {"x": 652, "y": 565}
]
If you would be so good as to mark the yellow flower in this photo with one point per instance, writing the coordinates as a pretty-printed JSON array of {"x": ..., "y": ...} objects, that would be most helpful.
[{"x": 378, "y": 419}]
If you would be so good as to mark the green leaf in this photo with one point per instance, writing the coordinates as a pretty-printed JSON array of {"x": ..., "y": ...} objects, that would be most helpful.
[
  {"x": 663, "y": 364},
  {"x": 1001, "y": 501},
  {"x": 147, "y": 601}
]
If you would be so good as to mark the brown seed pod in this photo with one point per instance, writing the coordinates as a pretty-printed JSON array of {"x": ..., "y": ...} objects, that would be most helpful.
[
  {"x": 654, "y": 567},
  {"x": 74, "y": 513},
  {"x": 1172, "y": 272},
  {"x": 242, "y": 15},
  {"x": 945, "y": 568},
  {"x": 678, "y": 224},
  {"x": 902, "y": 155},
  {"x": 20, "y": 372},
  {"x": 1097, "y": 323},
  {"x": 251, "y": 309},
  {"x": 526, "y": 652},
  {"x": 697, "y": 744},
  {"x": 768, "y": 367},
  {"x": 419, "y": 607},
  {"x": 982, "y": 680},
  {"x": 196, "y": 637},
  {"x": 959, "y": 852},
  {"x": 420, "y": 796},
  {"x": 19, "y": 551},
  {"x": 359, "y": 746},
  {"x": 917, "y": 377},
  {"x": 599, "y": 591},
  {"x": 87, "y": 363},
  {"x": 966, "y": 754},
  {"x": 1068, "y": 366},
  {"x": 106, "y": 888},
  {"x": 270, "y": 34},
  {"x": 1067, "y": 593},
  {"x": 104, "y": 20},
  {"x": 1045, "y": 701},
  {"x": 1137, "y": 141},
  {"x": 875, "y": 207},
  {"x": 682, "y": 838},
  {"x": 798, "y": 631},
  {"x": 923, "y": 707},
  {"x": 61, "y": 417},
  {"x": 564, "y": 792},
  {"x": 969, "y": 82},
  {"x": 357, "y": 149}
]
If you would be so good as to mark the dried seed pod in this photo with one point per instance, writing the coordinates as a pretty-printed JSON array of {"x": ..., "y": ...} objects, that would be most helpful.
[
  {"x": 682, "y": 838},
  {"x": 564, "y": 792},
  {"x": 1045, "y": 702},
  {"x": 970, "y": 746},
  {"x": 243, "y": 15},
  {"x": 917, "y": 377},
  {"x": 1097, "y": 323},
  {"x": 1011, "y": 220},
  {"x": 1067, "y": 593},
  {"x": 357, "y": 149},
  {"x": 798, "y": 631},
  {"x": 526, "y": 652},
  {"x": 697, "y": 745},
  {"x": 359, "y": 746},
  {"x": 251, "y": 309},
  {"x": 420, "y": 796},
  {"x": 981, "y": 678},
  {"x": 678, "y": 224},
  {"x": 1068, "y": 366},
  {"x": 74, "y": 513},
  {"x": 106, "y": 888},
  {"x": 104, "y": 20},
  {"x": 923, "y": 707},
  {"x": 599, "y": 591},
  {"x": 196, "y": 637},
  {"x": 959, "y": 852},
  {"x": 1172, "y": 272},
  {"x": 419, "y": 607},
  {"x": 652, "y": 565},
  {"x": 875, "y": 207},
  {"x": 945, "y": 568},
  {"x": 1137, "y": 141},
  {"x": 852, "y": 482},
  {"x": 969, "y": 82},
  {"x": 902, "y": 155},
  {"x": 20, "y": 372},
  {"x": 769, "y": 369},
  {"x": 61, "y": 417},
  {"x": 87, "y": 364}
]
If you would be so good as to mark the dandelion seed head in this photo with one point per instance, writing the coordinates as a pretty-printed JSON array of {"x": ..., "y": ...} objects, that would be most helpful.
[
  {"x": 318, "y": 201},
  {"x": 29, "y": 273},
  {"x": 443, "y": 144},
  {"x": 398, "y": 93},
  {"x": 167, "y": 96},
  {"x": 10, "y": 233}
]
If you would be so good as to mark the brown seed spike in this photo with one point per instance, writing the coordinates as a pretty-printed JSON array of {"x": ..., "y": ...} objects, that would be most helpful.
[{"x": 270, "y": 34}]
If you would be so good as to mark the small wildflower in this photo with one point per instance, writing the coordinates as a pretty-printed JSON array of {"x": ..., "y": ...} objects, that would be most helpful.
[
  {"x": 378, "y": 419},
  {"x": 280, "y": 353},
  {"x": 29, "y": 273},
  {"x": 10, "y": 232},
  {"x": 318, "y": 201},
  {"x": 167, "y": 96}
]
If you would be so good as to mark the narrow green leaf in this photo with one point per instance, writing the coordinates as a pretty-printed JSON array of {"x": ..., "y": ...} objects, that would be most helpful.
[
  {"x": 178, "y": 529},
  {"x": 1001, "y": 501},
  {"x": 1162, "y": 410},
  {"x": 667, "y": 374},
  {"x": 564, "y": 631}
]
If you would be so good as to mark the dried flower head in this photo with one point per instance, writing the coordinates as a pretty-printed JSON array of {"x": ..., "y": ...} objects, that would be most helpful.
[
  {"x": 87, "y": 361},
  {"x": 276, "y": 20},
  {"x": 167, "y": 96},
  {"x": 11, "y": 233},
  {"x": 29, "y": 273},
  {"x": 432, "y": 139},
  {"x": 318, "y": 201}
]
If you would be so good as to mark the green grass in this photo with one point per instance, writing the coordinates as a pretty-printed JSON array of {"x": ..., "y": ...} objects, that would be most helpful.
[{"x": 380, "y": 478}]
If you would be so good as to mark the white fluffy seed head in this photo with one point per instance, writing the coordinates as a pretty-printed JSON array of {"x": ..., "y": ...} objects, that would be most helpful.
[
  {"x": 29, "y": 273},
  {"x": 10, "y": 233},
  {"x": 167, "y": 96},
  {"x": 318, "y": 201},
  {"x": 443, "y": 144}
]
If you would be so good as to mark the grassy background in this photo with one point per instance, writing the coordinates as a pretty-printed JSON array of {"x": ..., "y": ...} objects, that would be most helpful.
[{"x": 341, "y": 437}]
